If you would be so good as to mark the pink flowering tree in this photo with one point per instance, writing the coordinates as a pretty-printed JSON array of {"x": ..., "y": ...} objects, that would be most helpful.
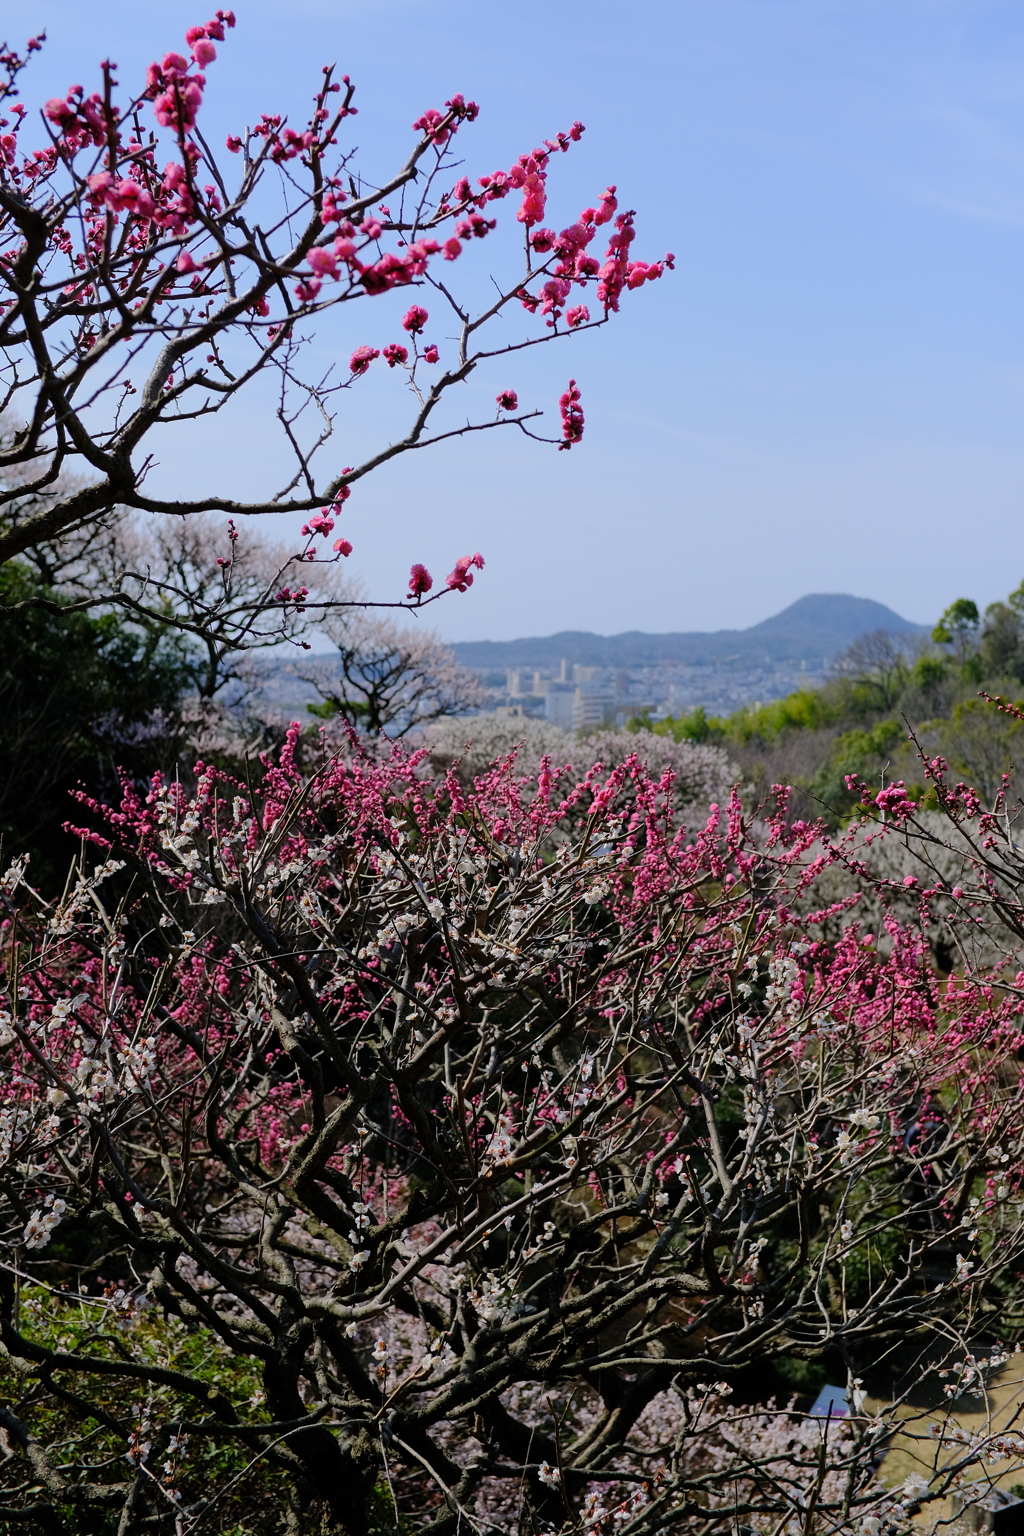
[
  {"x": 148, "y": 281},
  {"x": 362, "y": 1157}
]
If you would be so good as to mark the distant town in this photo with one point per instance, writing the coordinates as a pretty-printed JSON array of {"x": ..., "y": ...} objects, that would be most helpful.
[
  {"x": 579, "y": 697},
  {"x": 577, "y": 680}
]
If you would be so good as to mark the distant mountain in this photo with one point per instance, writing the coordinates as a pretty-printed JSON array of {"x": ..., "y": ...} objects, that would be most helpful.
[{"x": 815, "y": 628}]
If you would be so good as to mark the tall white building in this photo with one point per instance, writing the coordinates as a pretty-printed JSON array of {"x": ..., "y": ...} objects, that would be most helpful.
[
  {"x": 559, "y": 702},
  {"x": 591, "y": 709}
]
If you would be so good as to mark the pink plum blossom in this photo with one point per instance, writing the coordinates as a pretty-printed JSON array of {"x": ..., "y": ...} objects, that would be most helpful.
[
  {"x": 572, "y": 415},
  {"x": 361, "y": 359},
  {"x": 420, "y": 580},
  {"x": 414, "y": 319}
]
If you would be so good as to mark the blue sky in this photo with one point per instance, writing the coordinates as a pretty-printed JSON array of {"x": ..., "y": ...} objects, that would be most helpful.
[{"x": 825, "y": 396}]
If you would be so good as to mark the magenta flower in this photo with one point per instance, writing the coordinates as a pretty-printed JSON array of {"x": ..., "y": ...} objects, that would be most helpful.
[
  {"x": 321, "y": 523},
  {"x": 572, "y": 415},
  {"x": 361, "y": 359},
  {"x": 462, "y": 577},
  {"x": 323, "y": 262},
  {"x": 414, "y": 319}
]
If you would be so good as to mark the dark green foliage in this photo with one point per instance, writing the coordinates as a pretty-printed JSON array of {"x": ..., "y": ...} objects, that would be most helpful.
[
  {"x": 1002, "y": 640},
  {"x": 861, "y": 753},
  {"x": 696, "y": 726},
  {"x": 958, "y": 621},
  {"x": 80, "y": 697}
]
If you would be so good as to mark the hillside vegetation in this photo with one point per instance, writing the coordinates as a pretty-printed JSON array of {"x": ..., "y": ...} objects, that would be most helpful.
[{"x": 891, "y": 697}]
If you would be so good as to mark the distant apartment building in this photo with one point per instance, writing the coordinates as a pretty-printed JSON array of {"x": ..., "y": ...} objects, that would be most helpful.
[
  {"x": 592, "y": 708},
  {"x": 579, "y": 705},
  {"x": 558, "y": 704}
]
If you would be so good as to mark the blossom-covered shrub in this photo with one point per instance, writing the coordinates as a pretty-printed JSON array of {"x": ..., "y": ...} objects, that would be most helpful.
[
  {"x": 500, "y": 1167},
  {"x": 477, "y": 741},
  {"x": 700, "y": 774}
]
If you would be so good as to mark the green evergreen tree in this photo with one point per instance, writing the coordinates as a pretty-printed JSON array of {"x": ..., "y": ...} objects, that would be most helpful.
[{"x": 81, "y": 696}]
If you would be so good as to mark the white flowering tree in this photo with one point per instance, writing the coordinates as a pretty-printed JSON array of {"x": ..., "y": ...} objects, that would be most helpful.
[
  {"x": 699, "y": 773},
  {"x": 387, "y": 679}
]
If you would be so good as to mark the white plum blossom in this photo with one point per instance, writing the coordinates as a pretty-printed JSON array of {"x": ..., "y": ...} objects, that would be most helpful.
[{"x": 41, "y": 1224}]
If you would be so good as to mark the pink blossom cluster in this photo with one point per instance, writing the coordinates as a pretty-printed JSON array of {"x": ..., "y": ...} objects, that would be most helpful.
[
  {"x": 892, "y": 801},
  {"x": 177, "y": 95},
  {"x": 80, "y": 120},
  {"x": 572, "y": 415},
  {"x": 420, "y": 581},
  {"x": 340, "y": 261},
  {"x": 461, "y": 578},
  {"x": 282, "y": 143},
  {"x": 439, "y": 126},
  {"x": 414, "y": 319},
  {"x": 361, "y": 359},
  {"x": 291, "y": 595},
  {"x": 568, "y": 249},
  {"x": 320, "y": 523},
  {"x": 125, "y": 194},
  {"x": 575, "y": 266},
  {"x": 173, "y": 202},
  {"x": 529, "y": 175},
  {"x": 458, "y": 580},
  {"x": 618, "y": 272},
  {"x": 323, "y": 523},
  {"x": 169, "y": 200}
]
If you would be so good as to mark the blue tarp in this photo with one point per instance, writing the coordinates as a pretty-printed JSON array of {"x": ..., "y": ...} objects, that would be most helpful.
[{"x": 834, "y": 1398}]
